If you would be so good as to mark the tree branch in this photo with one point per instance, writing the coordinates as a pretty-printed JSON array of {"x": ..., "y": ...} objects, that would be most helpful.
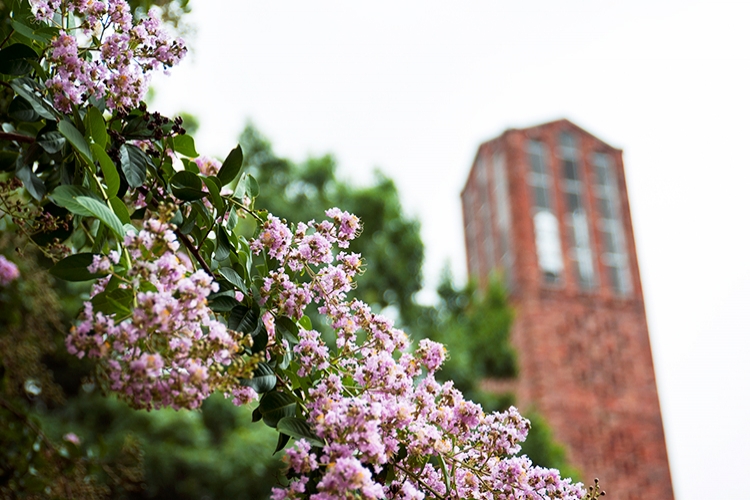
[
  {"x": 183, "y": 238},
  {"x": 194, "y": 251},
  {"x": 8, "y": 136}
]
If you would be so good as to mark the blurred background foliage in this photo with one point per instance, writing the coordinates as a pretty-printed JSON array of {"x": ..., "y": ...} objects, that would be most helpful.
[{"x": 218, "y": 452}]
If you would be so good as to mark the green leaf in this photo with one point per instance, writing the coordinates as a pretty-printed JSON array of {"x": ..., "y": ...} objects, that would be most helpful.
[
  {"x": 31, "y": 181},
  {"x": 223, "y": 303},
  {"x": 109, "y": 170},
  {"x": 76, "y": 139},
  {"x": 113, "y": 283},
  {"x": 191, "y": 166},
  {"x": 205, "y": 217},
  {"x": 234, "y": 278},
  {"x": 187, "y": 186},
  {"x": 31, "y": 92},
  {"x": 223, "y": 246},
  {"x": 253, "y": 186},
  {"x": 135, "y": 126},
  {"x": 242, "y": 319},
  {"x": 95, "y": 126},
  {"x": 264, "y": 379},
  {"x": 245, "y": 260},
  {"x": 185, "y": 145},
  {"x": 41, "y": 72},
  {"x": 43, "y": 34},
  {"x": 283, "y": 360},
  {"x": 118, "y": 300},
  {"x": 260, "y": 338},
  {"x": 101, "y": 232},
  {"x": 189, "y": 222},
  {"x": 67, "y": 196},
  {"x": 104, "y": 214},
  {"x": 305, "y": 322},
  {"x": 74, "y": 268},
  {"x": 21, "y": 110},
  {"x": 232, "y": 219},
  {"x": 215, "y": 192},
  {"x": 281, "y": 443},
  {"x": 134, "y": 163},
  {"x": 298, "y": 428},
  {"x": 288, "y": 329},
  {"x": 98, "y": 102},
  {"x": 256, "y": 415},
  {"x": 231, "y": 166},
  {"x": 14, "y": 59},
  {"x": 444, "y": 470},
  {"x": 120, "y": 210},
  {"x": 52, "y": 141},
  {"x": 276, "y": 405},
  {"x": 177, "y": 219},
  {"x": 81, "y": 201}
]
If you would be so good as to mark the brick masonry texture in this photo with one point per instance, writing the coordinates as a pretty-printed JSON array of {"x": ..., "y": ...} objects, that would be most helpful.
[{"x": 584, "y": 355}]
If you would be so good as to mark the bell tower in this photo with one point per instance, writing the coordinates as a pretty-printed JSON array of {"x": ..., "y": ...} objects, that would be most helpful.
[{"x": 546, "y": 207}]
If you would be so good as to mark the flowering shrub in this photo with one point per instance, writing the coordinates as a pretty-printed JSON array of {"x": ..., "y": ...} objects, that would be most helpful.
[{"x": 183, "y": 305}]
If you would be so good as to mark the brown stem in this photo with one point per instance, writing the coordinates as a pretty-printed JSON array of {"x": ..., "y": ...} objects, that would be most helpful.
[
  {"x": 416, "y": 478},
  {"x": 8, "y": 136},
  {"x": 191, "y": 248},
  {"x": 183, "y": 238},
  {"x": 10, "y": 33}
]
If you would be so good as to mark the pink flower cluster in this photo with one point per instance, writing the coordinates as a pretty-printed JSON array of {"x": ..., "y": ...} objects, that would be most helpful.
[
  {"x": 375, "y": 402},
  {"x": 8, "y": 271},
  {"x": 118, "y": 67},
  {"x": 170, "y": 351},
  {"x": 310, "y": 246}
]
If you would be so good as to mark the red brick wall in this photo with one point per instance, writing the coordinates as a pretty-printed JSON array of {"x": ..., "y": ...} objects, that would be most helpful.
[
  {"x": 585, "y": 364},
  {"x": 584, "y": 357}
]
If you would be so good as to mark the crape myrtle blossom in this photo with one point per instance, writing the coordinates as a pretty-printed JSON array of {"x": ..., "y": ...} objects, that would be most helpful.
[
  {"x": 170, "y": 350},
  {"x": 386, "y": 422},
  {"x": 117, "y": 67}
]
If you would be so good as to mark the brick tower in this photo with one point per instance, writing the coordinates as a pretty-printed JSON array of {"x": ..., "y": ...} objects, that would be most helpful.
[{"x": 546, "y": 207}]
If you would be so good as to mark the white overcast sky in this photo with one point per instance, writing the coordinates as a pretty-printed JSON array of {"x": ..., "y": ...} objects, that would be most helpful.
[{"x": 413, "y": 87}]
